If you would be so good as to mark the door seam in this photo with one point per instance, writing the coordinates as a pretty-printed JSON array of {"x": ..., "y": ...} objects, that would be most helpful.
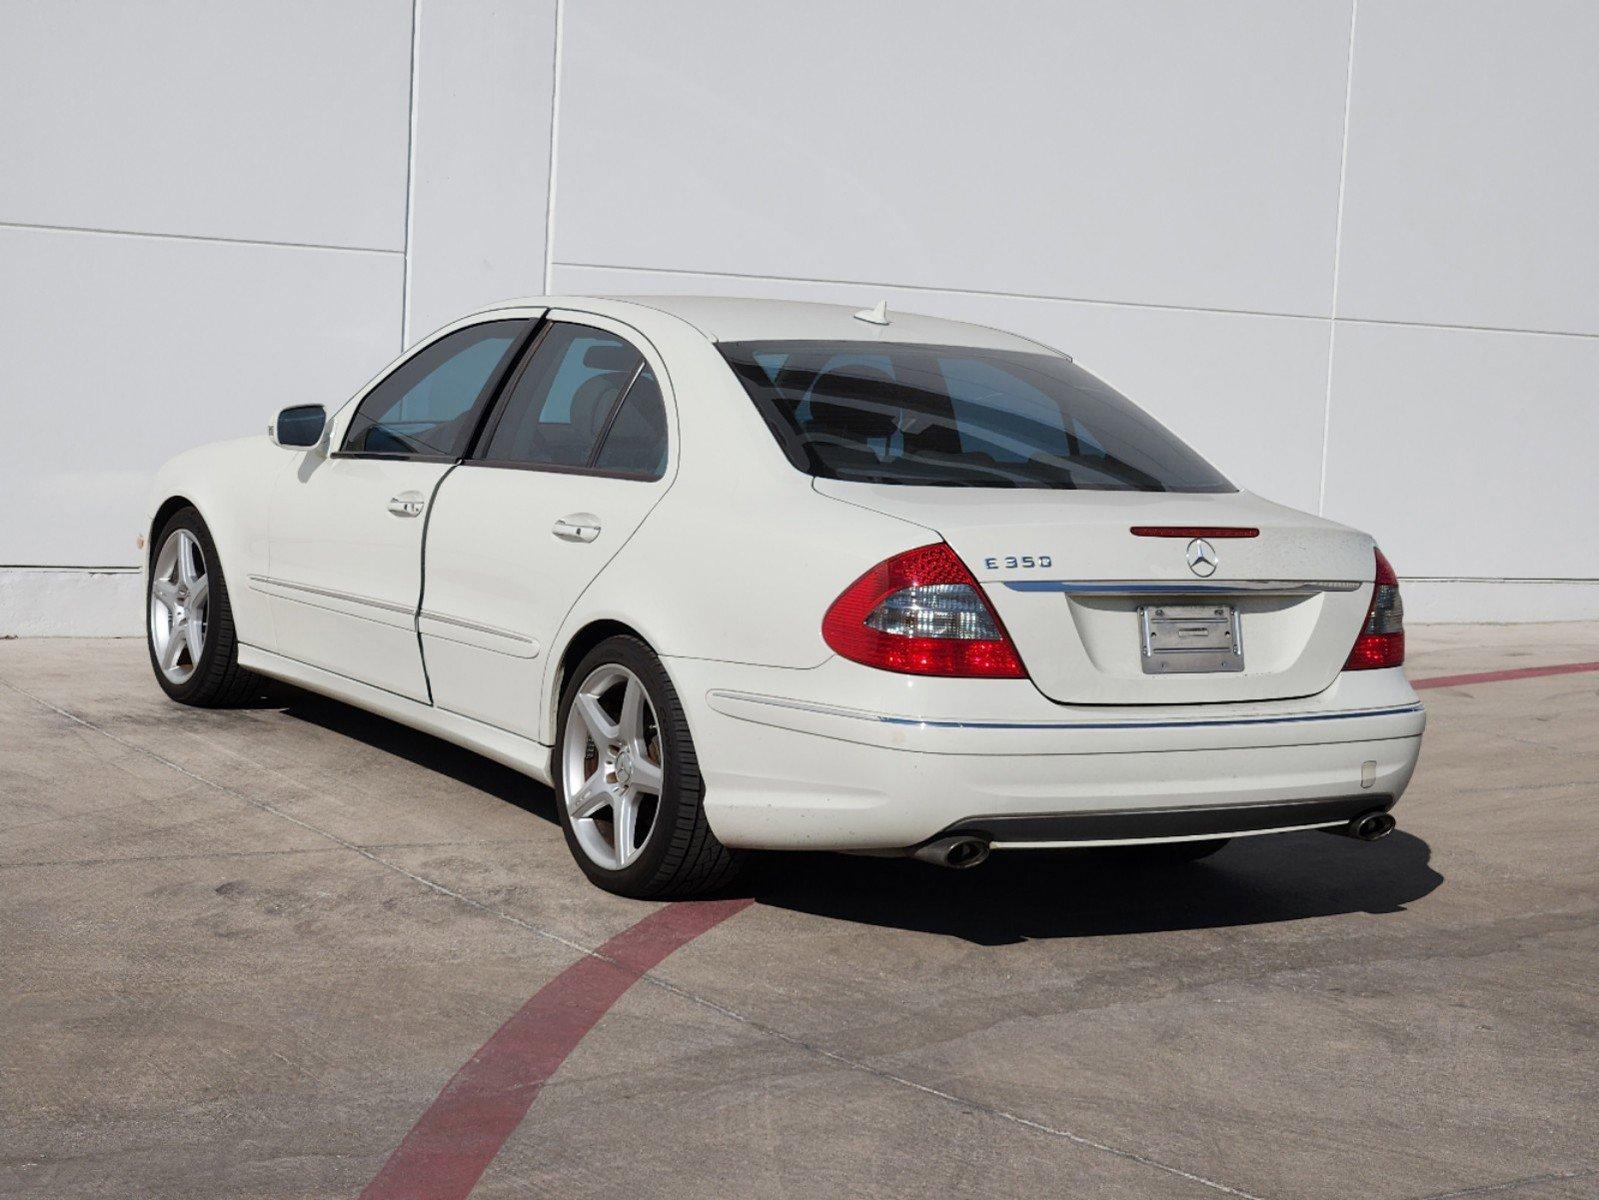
[{"x": 422, "y": 589}]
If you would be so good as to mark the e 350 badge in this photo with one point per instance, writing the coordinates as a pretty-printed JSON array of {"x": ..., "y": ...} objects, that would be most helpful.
[{"x": 1017, "y": 562}]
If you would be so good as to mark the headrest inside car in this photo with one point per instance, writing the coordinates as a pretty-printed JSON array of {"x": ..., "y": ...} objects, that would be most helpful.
[
  {"x": 857, "y": 402},
  {"x": 603, "y": 357}
]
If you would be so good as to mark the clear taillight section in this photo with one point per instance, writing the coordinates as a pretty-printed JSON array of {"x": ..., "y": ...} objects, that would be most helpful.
[
  {"x": 1382, "y": 638},
  {"x": 936, "y": 610},
  {"x": 921, "y": 613}
]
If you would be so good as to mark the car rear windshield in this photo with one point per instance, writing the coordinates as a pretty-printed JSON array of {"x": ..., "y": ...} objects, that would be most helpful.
[{"x": 953, "y": 416}]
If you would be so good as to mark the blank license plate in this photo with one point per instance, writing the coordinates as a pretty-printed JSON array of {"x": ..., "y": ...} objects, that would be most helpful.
[{"x": 1190, "y": 638}]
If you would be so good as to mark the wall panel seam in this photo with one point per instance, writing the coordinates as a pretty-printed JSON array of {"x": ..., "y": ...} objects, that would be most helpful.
[
  {"x": 1338, "y": 242},
  {"x": 410, "y": 175},
  {"x": 1040, "y": 297},
  {"x": 195, "y": 237},
  {"x": 549, "y": 192},
  {"x": 1454, "y": 328},
  {"x": 953, "y": 291}
]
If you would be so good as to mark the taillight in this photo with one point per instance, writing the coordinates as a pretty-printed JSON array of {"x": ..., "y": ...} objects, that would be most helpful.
[
  {"x": 1382, "y": 638},
  {"x": 922, "y": 613}
]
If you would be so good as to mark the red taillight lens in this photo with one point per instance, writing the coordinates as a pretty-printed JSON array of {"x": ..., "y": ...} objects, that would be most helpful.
[
  {"x": 1382, "y": 638},
  {"x": 922, "y": 613}
]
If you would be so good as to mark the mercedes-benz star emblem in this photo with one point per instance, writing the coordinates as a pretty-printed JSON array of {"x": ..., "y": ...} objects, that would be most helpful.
[{"x": 1202, "y": 560}]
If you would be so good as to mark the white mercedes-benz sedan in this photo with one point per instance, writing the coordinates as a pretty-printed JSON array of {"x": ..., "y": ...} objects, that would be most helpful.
[{"x": 734, "y": 575}]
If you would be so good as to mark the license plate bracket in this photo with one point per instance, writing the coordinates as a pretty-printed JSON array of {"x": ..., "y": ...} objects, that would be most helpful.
[{"x": 1179, "y": 639}]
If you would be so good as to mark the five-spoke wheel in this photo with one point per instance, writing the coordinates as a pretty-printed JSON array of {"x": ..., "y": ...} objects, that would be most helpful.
[
  {"x": 180, "y": 595},
  {"x": 611, "y": 766},
  {"x": 629, "y": 781},
  {"x": 190, "y": 627}
]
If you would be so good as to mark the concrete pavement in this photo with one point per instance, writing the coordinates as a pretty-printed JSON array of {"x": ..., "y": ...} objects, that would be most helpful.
[{"x": 244, "y": 951}]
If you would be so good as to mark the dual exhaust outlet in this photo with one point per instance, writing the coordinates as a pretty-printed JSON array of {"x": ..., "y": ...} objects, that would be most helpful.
[
  {"x": 1367, "y": 827},
  {"x": 957, "y": 852},
  {"x": 960, "y": 851}
]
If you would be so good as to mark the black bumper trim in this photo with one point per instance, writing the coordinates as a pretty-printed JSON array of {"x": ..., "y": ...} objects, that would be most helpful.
[{"x": 1125, "y": 824}]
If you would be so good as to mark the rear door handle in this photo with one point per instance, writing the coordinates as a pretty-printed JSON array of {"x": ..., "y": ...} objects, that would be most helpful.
[
  {"x": 577, "y": 527},
  {"x": 407, "y": 504}
]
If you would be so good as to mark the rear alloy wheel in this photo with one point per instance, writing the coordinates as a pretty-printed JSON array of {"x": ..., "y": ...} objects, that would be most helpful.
[
  {"x": 612, "y": 766},
  {"x": 189, "y": 629},
  {"x": 629, "y": 780}
]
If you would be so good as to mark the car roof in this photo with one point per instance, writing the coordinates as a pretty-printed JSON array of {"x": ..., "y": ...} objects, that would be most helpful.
[{"x": 737, "y": 319}]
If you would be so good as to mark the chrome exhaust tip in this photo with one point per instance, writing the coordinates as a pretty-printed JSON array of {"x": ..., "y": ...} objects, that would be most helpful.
[
  {"x": 957, "y": 853},
  {"x": 1368, "y": 827}
]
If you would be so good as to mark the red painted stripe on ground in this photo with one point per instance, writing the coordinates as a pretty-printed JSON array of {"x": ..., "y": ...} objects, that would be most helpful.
[
  {"x": 452, "y": 1145},
  {"x": 1497, "y": 676}
]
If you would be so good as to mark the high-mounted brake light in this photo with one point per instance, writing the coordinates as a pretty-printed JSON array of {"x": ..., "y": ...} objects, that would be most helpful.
[
  {"x": 1195, "y": 531},
  {"x": 922, "y": 613},
  {"x": 1382, "y": 638}
]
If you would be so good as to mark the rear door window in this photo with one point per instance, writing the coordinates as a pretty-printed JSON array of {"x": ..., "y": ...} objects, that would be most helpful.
[
  {"x": 561, "y": 401},
  {"x": 585, "y": 400},
  {"x": 635, "y": 444}
]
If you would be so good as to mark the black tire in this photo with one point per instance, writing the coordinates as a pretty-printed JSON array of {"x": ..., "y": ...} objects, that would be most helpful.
[
  {"x": 681, "y": 857},
  {"x": 218, "y": 681}
]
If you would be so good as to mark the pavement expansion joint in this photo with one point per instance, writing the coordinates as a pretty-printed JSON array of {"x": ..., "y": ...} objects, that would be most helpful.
[{"x": 1511, "y": 1185}]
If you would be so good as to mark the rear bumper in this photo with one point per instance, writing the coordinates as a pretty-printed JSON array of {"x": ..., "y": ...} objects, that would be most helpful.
[
  {"x": 1123, "y": 827},
  {"x": 785, "y": 770}
]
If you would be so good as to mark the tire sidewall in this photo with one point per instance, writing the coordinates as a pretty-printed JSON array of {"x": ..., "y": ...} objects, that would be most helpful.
[
  {"x": 216, "y": 607},
  {"x": 681, "y": 786}
]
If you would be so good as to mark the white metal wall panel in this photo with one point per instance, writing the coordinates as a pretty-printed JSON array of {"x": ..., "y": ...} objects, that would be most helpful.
[
  {"x": 278, "y": 122},
  {"x": 1474, "y": 165},
  {"x": 482, "y": 157},
  {"x": 1468, "y": 453},
  {"x": 1180, "y": 195},
  {"x": 1152, "y": 151},
  {"x": 119, "y": 352}
]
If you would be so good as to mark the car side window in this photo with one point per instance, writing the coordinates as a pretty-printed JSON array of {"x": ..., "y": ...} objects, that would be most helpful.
[
  {"x": 562, "y": 402},
  {"x": 635, "y": 444},
  {"x": 428, "y": 405}
]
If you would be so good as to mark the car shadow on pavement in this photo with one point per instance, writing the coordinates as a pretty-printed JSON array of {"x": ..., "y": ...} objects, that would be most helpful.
[
  {"x": 1014, "y": 896},
  {"x": 1020, "y": 896},
  {"x": 421, "y": 749}
]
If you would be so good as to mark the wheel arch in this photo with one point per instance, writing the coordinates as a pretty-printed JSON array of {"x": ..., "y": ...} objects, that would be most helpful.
[
  {"x": 584, "y": 639},
  {"x": 230, "y": 485},
  {"x": 164, "y": 513}
]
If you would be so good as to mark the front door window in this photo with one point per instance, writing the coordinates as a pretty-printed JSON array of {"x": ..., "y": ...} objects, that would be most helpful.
[{"x": 429, "y": 404}]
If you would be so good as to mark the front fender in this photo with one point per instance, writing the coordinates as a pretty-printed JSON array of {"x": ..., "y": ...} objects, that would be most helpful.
[{"x": 230, "y": 484}]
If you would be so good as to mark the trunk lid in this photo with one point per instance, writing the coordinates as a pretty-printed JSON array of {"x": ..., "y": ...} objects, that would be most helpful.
[{"x": 1096, "y": 611}]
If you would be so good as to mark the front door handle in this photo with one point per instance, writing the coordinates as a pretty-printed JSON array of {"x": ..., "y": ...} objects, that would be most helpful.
[
  {"x": 407, "y": 504},
  {"x": 577, "y": 527}
]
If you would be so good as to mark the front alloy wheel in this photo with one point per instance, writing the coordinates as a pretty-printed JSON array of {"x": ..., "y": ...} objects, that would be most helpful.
[
  {"x": 180, "y": 597},
  {"x": 194, "y": 648}
]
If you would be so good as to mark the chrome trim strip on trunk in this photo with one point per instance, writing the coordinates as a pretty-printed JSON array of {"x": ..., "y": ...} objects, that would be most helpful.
[
  {"x": 831, "y": 710},
  {"x": 1212, "y": 723},
  {"x": 1237, "y": 587}
]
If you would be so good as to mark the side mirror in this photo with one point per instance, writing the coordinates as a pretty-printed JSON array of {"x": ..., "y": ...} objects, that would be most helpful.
[{"x": 299, "y": 426}]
